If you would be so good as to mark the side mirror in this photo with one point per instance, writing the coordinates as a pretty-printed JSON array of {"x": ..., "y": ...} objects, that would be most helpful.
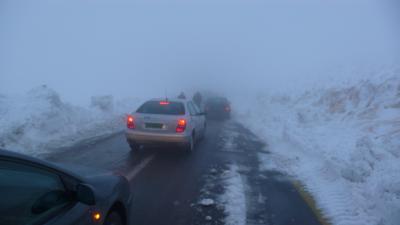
[{"x": 85, "y": 194}]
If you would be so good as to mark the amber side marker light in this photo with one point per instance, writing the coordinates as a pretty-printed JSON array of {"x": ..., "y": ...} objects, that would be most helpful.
[{"x": 96, "y": 216}]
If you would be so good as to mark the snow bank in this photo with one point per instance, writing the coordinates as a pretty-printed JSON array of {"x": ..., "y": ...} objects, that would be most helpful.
[
  {"x": 234, "y": 198},
  {"x": 343, "y": 143},
  {"x": 40, "y": 122}
]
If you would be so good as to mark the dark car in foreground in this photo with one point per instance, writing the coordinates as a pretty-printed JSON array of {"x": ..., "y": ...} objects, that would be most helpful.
[
  {"x": 35, "y": 192},
  {"x": 218, "y": 108}
]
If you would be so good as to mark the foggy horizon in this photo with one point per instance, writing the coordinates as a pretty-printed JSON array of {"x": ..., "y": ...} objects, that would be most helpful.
[{"x": 148, "y": 48}]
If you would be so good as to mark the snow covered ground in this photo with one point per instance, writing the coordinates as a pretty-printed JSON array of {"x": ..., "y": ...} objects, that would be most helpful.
[
  {"x": 342, "y": 143},
  {"x": 40, "y": 121}
]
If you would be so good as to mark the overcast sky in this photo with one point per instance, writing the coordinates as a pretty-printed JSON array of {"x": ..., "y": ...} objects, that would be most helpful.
[{"x": 134, "y": 48}]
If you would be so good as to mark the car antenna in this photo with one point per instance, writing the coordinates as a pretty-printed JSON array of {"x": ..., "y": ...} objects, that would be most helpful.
[{"x": 166, "y": 96}]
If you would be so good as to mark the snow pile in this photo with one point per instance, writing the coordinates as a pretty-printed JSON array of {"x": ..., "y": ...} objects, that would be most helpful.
[
  {"x": 40, "y": 122},
  {"x": 206, "y": 202},
  {"x": 343, "y": 143},
  {"x": 234, "y": 198}
]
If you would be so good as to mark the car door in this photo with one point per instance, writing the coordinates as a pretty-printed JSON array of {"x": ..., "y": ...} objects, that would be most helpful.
[
  {"x": 31, "y": 195},
  {"x": 193, "y": 117},
  {"x": 201, "y": 120}
]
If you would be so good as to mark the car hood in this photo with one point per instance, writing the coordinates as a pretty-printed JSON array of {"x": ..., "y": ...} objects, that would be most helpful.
[{"x": 84, "y": 171}]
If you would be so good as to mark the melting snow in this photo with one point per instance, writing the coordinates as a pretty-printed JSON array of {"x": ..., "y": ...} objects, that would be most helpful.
[
  {"x": 206, "y": 202},
  {"x": 234, "y": 197}
]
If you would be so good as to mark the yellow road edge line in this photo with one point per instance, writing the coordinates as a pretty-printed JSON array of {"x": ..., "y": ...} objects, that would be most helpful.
[{"x": 308, "y": 198}]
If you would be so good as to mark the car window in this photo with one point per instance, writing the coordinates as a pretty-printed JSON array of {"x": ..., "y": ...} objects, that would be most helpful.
[
  {"x": 28, "y": 194},
  {"x": 161, "y": 107}
]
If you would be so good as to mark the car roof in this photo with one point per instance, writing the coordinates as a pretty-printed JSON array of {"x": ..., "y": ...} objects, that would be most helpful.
[
  {"x": 22, "y": 157},
  {"x": 170, "y": 100},
  {"x": 217, "y": 99}
]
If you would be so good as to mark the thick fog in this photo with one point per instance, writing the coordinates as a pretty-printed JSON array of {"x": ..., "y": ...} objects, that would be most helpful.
[{"x": 149, "y": 48}]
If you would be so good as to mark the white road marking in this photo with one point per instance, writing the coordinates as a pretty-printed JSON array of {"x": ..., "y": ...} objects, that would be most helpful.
[{"x": 138, "y": 168}]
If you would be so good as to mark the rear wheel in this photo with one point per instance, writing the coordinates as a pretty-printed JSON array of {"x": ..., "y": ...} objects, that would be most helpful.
[
  {"x": 113, "y": 219},
  {"x": 203, "y": 135},
  {"x": 190, "y": 146}
]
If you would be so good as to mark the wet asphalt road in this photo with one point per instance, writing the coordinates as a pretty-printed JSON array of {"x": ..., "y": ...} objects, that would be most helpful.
[{"x": 168, "y": 184}]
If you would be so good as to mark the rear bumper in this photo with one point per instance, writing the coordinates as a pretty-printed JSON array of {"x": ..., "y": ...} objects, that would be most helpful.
[{"x": 140, "y": 137}]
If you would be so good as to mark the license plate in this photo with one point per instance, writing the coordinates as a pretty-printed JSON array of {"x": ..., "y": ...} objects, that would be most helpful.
[{"x": 154, "y": 125}]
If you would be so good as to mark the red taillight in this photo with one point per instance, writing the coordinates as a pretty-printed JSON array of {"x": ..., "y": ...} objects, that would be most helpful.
[
  {"x": 130, "y": 122},
  {"x": 227, "y": 109},
  {"x": 181, "y": 126},
  {"x": 164, "y": 103}
]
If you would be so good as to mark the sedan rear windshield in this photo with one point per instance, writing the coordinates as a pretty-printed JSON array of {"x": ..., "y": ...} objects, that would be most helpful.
[{"x": 165, "y": 108}]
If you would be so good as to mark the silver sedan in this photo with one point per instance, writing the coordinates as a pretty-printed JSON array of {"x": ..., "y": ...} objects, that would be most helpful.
[{"x": 166, "y": 122}]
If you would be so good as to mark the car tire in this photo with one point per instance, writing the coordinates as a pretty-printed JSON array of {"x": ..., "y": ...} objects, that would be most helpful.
[
  {"x": 190, "y": 146},
  {"x": 113, "y": 219},
  {"x": 202, "y": 136}
]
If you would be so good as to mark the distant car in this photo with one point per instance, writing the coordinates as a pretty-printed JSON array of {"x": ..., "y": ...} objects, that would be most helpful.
[
  {"x": 218, "y": 108},
  {"x": 160, "y": 122},
  {"x": 34, "y": 192}
]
